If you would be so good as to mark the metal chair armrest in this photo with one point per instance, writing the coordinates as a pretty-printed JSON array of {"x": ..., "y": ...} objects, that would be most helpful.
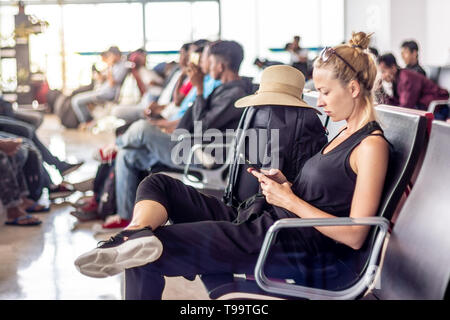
[
  {"x": 314, "y": 293},
  {"x": 208, "y": 164}
]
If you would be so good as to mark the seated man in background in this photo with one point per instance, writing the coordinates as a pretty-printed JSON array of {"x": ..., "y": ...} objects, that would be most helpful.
[
  {"x": 410, "y": 55},
  {"x": 144, "y": 145},
  {"x": 174, "y": 90},
  {"x": 264, "y": 63},
  {"x": 145, "y": 78},
  {"x": 149, "y": 83},
  {"x": 299, "y": 56},
  {"x": 404, "y": 87},
  {"x": 117, "y": 71},
  {"x": 209, "y": 84}
]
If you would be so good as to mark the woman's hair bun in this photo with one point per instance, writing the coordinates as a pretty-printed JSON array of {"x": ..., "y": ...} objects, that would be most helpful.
[{"x": 360, "y": 40}]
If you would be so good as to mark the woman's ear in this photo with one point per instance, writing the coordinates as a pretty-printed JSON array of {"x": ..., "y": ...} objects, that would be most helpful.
[{"x": 355, "y": 88}]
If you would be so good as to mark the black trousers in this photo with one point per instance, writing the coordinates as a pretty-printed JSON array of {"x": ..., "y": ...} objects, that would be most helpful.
[{"x": 203, "y": 239}]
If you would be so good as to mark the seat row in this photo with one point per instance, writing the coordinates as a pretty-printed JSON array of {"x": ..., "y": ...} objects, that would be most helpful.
[{"x": 415, "y": 263}]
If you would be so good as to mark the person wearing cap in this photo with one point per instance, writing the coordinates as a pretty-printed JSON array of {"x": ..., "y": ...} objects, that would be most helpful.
[
  {"x": 344, "y": 179},
  {"x": 108, "y": 91}
]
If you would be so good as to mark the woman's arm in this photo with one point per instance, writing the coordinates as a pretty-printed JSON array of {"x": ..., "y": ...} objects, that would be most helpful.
[{"x": 369, "y": 160}]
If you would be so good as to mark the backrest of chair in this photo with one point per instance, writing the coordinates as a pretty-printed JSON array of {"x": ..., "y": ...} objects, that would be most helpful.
[
  {"x": 407, "y": 133},
  {"x": 417, "y": 260},
  {"x": 444, "y": 78},
  {"x": 432, "y": 72}
]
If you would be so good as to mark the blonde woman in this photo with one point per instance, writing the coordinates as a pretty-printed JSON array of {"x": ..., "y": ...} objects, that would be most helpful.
[{"x": 344, "y": 179}]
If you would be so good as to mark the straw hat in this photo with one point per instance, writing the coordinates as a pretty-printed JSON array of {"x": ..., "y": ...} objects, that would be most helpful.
[{"x": 280, "y": 85}]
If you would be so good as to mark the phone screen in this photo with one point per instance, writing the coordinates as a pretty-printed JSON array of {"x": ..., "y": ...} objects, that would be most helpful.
[{"x": 194, "y": 58}]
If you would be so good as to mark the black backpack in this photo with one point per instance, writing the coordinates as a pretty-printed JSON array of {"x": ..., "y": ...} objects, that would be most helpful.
[
  {"x": 105, "y": 190},
  {"x": 62, "y": 107},
  {"x": 301, "y": 135}
]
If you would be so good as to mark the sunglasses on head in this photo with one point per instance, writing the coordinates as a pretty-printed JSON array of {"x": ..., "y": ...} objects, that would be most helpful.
[{"x": 327, "y": 52}]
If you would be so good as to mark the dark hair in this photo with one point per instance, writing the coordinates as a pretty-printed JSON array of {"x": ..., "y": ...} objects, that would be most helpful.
[
  {"x": 388, "y": 59},
  {"x": 201, "y": 45},
  {"x": 185, "y": 46},
  {"x": 114, "y": 50},
  {"x": 230, "y": 52},
  {"x": 296, "y": 37},
  {"x": 374, "y": 51},
  {"x": 200, "y": 42},
  {"x": 411, "y": 45}
]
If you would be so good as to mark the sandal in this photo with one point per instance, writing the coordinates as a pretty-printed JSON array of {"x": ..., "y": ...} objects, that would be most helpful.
[
  {"x": 16, "y": 221},
  {"x": 62, "y": 190},
  {"x": 85, "y": 216}
]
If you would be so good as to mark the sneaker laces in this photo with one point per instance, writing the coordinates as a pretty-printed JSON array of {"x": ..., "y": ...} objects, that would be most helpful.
[
  {"x": 110, "y": 240},
  {"x": 119, "y": 236}
]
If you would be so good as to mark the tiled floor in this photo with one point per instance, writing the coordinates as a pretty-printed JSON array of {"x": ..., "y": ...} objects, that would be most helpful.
[{"x": 37, "y": 262}]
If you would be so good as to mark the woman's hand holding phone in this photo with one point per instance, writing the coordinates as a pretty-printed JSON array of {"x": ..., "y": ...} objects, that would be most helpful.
[
  {"x": 274, "y": 174},
  {"x": 276, "y": 193}
]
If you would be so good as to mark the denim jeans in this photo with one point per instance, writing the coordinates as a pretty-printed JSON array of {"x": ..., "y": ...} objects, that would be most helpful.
[
  {"x": 140, "y": 147},
  {"x": 131, "y": 113},
  {"x": 80, "y": 102}
]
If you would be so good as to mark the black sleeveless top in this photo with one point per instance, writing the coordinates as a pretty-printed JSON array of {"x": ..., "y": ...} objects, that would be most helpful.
[{"x": 327, "y": 181}]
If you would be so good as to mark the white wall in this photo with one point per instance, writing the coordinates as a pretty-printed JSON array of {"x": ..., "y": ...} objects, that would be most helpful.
[
  {"x": 408, "y": 22},
  {"x": 393, "y": 21},
  {"x": 438, "y": 32},
  {"x": 262, "y": 24},
  {"x": 369, "y": 16}
]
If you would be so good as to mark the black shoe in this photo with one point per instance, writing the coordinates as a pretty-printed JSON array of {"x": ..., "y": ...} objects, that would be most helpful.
[
  {"x": 127, "y": 249},
  {"x": 69, "y": 168},
  {"x": 62, "y": 190}
]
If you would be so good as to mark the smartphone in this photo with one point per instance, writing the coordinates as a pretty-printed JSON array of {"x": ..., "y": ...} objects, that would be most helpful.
[
  {"x": 194, "y": 58},
  {"x": 253, "y": 166}
]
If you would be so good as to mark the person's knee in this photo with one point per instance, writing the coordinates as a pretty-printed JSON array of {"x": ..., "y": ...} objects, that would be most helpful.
[
  {"x": 138, "y": 127},
  {"x": 156, "y": 179},
  {"x": 119, "y": 112}
]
